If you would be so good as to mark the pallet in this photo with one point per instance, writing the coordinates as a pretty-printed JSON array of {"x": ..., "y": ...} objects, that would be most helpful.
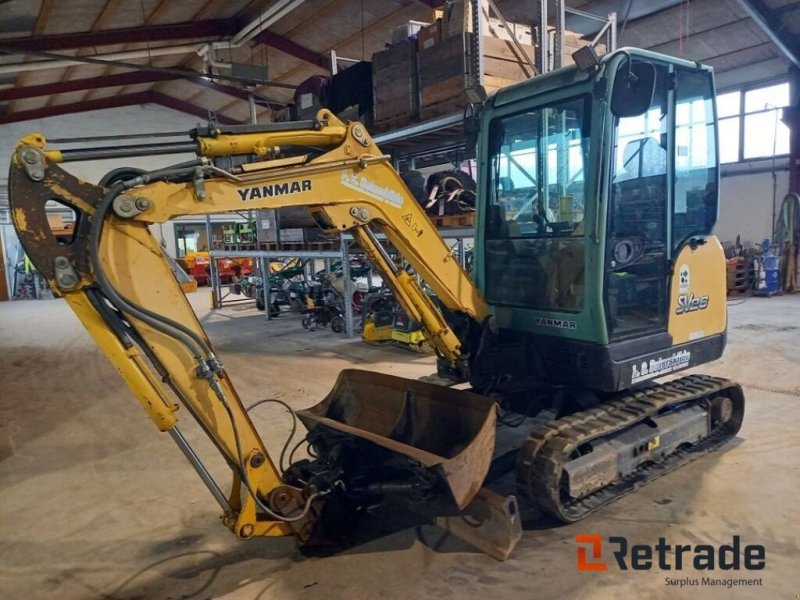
[
  {"x": 390, "y": 123},
  {"x": 745, "y": 289},
  {"x": 743, "y": 284},
  {"x": 289, "y": 247},
  {"x": 739, "y": 276},
  {"x": 735, "y": 293},
  {"x": 441, "y": 109},
  {"x": 453, "y": 221},
  {"x": 329, "y": 245}
]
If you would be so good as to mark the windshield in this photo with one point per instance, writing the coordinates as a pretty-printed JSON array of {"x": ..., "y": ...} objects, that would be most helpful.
[
  {"x": 537, "y": 164},
  {"x": 534, "y": 222}
]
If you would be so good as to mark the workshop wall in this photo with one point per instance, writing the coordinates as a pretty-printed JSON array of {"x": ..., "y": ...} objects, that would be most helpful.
[
  {"x": 746, "y": 203},
  {"x": 143, "y": 118}
]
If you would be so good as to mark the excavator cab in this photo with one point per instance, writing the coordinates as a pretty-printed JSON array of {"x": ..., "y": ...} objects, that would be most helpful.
[{"x": 594, "y": 249}]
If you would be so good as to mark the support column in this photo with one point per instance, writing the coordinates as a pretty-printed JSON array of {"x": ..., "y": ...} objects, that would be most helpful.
[
  {"x": 791, "y": 116},
  {"x": 349, "y": 325},
  {"x": 561, "y": 27},
  {"x": 263, "y": 265},
  {"x": 544, "y": 39},
  {"x": 213, "y": 274}
]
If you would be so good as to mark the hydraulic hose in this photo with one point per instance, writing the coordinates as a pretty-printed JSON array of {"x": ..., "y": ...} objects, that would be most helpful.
[
  {"x": 194, "y": 342},
  {"x": 207, "y": 362}
]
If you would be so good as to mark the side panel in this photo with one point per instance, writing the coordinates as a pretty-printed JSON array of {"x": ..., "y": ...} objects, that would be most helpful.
[{"x": 697, "y": 307}]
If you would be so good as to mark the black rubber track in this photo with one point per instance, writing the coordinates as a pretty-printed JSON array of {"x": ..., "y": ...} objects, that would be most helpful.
[{"x": 541, "y": 458}]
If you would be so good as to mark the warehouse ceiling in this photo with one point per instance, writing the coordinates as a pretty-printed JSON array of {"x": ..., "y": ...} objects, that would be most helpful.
[{"x": 138, "y": 51}]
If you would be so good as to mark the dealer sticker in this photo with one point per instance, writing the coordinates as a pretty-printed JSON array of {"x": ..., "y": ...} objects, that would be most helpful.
[{"x": 660, "y": 366}]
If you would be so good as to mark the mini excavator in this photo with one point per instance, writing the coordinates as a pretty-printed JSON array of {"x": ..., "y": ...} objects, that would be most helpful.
[{"x": 595, "y": 273}]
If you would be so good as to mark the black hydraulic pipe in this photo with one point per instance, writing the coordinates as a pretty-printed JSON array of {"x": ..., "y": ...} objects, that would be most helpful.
[
  {"x": 75, "y": 154},
  {"x": 256, "y": 128},
  {"x": 122, "y": 136}
]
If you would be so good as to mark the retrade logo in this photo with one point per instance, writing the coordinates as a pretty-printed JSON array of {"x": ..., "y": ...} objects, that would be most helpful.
[
  {"x": 683, "y": 565},
  {"x": 668, "y": 557},
  {"x": 592, "y": 544}
]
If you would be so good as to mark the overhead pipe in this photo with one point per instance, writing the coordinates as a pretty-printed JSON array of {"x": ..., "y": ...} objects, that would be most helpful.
[{"x": 271, "y": 15}]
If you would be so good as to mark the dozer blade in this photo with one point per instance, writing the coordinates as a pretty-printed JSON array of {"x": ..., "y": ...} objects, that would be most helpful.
[{"x": 448, "y": 432}]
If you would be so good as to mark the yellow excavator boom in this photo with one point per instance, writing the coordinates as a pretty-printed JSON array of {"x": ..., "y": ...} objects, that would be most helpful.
[{"x": 115, "y": 278}]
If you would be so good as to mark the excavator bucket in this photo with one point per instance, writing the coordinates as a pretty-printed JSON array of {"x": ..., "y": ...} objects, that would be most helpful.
[{"x": 451, "y": 432}]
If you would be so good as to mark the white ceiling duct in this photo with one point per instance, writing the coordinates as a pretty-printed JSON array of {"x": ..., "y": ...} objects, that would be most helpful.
[{"x": 264, "y": 21}]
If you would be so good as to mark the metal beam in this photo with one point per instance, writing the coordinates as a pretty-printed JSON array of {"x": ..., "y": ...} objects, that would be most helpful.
[
  {"x": 111, "y": 60},
  {"x": 287, "y": 46},
  {"x": 774, "y": 27},
  {"x": 638, "y": 10},
  {"x": 716, "y": 28},
  {"x": 65, "y": 109},
  {"x": 791, "y": 117},
  {"x": 122, "y": 79},
  {"x": 188, "y": 108},
  {"x": 146, "y": 97},
  {"x": 236, "y": 92},
  {"x": 90, "y": 83},
  {"x": 786, "y": 9},
  {"x": 766, "y": 70},
  {"x": 126, "y": 35},
  {"x": 391, "y": 18}
]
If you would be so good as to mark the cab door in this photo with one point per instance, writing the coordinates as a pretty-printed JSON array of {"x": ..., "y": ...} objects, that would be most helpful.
[
  {"x": 697, "y": 306},
  {"x": 637, "y": 243}
]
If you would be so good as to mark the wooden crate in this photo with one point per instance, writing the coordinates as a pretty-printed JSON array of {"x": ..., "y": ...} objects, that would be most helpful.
[
  {"x": 457, "y": 18},
  {"x": 441, "y": 72},
  {"x": 393, "y": 123},
  {"x": 394, "y": 85},
  {"x": 430, "y": 36},
  {"x": 447, "y": 97}
]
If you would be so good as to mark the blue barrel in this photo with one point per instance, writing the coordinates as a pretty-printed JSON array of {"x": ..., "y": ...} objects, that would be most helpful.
[{"x": 771, "y": 279}]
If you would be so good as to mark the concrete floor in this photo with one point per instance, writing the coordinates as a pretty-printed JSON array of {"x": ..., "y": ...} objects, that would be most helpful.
[{"x": 95, "y": 503}]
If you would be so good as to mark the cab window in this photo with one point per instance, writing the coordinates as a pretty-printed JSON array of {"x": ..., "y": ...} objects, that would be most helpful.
[{"x": 534, "y": 222}]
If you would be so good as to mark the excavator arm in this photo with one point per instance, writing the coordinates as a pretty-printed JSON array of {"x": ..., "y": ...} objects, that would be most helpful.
[{"x": 115, "y": 278}]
